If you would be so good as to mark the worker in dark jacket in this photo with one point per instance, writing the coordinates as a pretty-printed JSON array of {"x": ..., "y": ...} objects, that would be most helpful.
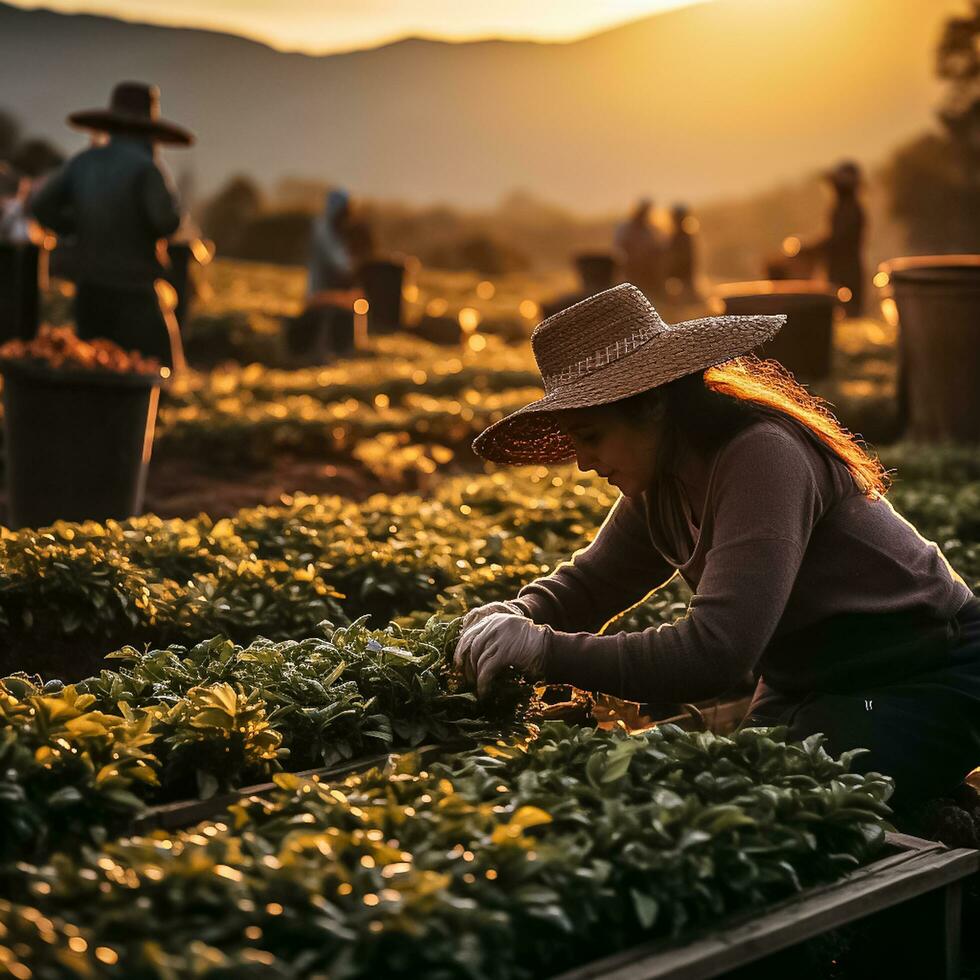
[
  {"x": 116, "y": 201},
  {"x": 839, "y": 250},
  {"x": 680, "y": 254},
  {"x": 843, "y": 255}
]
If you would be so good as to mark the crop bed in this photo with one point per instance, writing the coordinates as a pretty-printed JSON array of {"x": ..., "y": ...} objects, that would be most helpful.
[
  {"x": 154, "y": 661},
  {"x": 277, "y": 572},
  {"x": 265, "y": 886},
  {"x": 514, "y": 860}
]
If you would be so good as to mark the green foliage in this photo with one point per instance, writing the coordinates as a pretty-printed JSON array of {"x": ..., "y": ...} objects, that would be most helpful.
[
  {"x": 278, "y": 571},
  {"x": 219, "y": 716},
  {"x": 68, "y": 771},
  {"x": 221, "y": 733},
  {"x": 149, "y": 581},
  {"x": 509, "y": 861},
  {"x": 352, "y": 693},
  {"x": 401, "y": 386},
  {"x": 932, "y": 191},
  {"x": 244, "y": 430}
]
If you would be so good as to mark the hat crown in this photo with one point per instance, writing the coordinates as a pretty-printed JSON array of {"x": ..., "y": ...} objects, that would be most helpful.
[
  {"x": 593, "y": 333},
  {"x": 136, "y": 99}
]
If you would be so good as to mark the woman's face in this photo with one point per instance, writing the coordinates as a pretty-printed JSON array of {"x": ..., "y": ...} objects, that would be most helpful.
[{"x": 620, "y": 450}]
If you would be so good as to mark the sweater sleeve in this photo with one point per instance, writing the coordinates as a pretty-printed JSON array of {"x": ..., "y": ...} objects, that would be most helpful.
[
  {"x": 618, "y": 569},
  {"x": 766, "y": 501}
]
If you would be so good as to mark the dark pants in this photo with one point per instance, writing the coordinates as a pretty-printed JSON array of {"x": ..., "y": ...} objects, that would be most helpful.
[
  {"x": 922, "y": 729},
  {"x": 130, "y": 317}
]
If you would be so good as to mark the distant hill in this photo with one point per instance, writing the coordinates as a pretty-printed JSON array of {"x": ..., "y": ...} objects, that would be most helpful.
[{"x": 700, "y": 103}]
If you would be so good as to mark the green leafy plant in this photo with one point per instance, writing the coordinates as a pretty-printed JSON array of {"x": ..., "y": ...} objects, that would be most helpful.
[
  {"x": 67, "y": 770},
  {"x": 509, "y": 861},
  {"x": 181, "y": 723}
]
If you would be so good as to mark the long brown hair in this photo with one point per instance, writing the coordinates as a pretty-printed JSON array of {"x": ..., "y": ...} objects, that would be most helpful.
[{"x": 708, "y": 408}]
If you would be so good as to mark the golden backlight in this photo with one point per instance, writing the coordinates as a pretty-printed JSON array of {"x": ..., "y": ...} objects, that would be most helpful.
[{"x": 321, "y": 28}]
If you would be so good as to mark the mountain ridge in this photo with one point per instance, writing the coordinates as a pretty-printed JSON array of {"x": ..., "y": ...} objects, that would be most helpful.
[{"x": 696, "y": 102}]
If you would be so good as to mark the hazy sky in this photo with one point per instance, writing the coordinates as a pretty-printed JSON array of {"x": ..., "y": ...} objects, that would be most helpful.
[{"x": 320, "y": 26}]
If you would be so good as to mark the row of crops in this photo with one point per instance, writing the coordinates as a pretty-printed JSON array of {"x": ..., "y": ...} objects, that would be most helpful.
[
  {"x": 401, "y": 408},
  {"x": 509, "y": 860},
  {"x": 285, "y": 883},
  {"x": 412, "y": 392},
  {"x": 277, "y": 572}
]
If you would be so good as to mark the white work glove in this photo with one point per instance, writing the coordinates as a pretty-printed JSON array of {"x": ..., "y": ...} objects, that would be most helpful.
[
  {"x": 500, "y": 640},
  {"x": 479, "y": 613}
]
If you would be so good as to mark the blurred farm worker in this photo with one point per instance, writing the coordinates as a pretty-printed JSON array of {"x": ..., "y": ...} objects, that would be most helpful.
[
  {"x": 642, "y": 249},
  {"x": 13, "y": 224},
  {"x": 331, "y": 266},
  {"x": 26, "y": 171},
  {"x": 35, "y": 159},
  {"x": 116, "y": 201},
  {"x": 805, "y": 581},
  {"x": 680, "y": 254},
  {"x": 840, "y": 250}
]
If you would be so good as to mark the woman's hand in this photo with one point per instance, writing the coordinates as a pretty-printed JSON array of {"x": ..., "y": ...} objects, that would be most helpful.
[
  {"x": 479, "y": 613},
  {"x": 500, "y": 640}
]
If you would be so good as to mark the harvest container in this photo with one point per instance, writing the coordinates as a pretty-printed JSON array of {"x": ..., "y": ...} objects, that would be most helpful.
[
  {"x": 19, "y": 296},
  {"x": 442, "y": 330},
  {"x": 324, "y": 330},
  {"x": 382, "y": 281},
  {"x": 78, "y": 442},
  {"x": 936, "y": 299},
  {"x": 805, "y": 344},
  {"x": 597, "y": 270}
]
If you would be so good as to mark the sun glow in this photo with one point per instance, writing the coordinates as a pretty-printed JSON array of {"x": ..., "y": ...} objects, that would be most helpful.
[{"x": 298, "y": 25}]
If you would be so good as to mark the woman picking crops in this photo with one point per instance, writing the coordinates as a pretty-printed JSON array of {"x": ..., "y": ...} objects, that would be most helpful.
[{"x": 739, "y": 480}]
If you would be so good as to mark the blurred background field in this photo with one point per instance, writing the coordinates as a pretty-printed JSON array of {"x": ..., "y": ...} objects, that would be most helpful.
[{"x": 244, "y": 428}]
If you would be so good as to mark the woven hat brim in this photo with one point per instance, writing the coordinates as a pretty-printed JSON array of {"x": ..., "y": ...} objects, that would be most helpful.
[
  {"x": 532, "y": 433},
  {"x": 105, "y": 121}
]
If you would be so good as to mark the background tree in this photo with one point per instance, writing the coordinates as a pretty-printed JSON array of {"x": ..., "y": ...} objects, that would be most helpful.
[
  {"x": 934, "y": 181},
  {"x": 227, "y": 215},
  {"x": 9, "y": 134},
  {"x": 36, "y": 157},
  {"x": 958, "y": 64}
]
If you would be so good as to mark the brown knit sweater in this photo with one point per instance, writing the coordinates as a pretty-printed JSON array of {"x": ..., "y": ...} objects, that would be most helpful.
[{"x": 773, "y": 537}]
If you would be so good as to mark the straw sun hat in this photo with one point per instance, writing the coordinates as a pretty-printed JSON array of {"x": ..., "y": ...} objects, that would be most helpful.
[{"x": 611, "y": 346}]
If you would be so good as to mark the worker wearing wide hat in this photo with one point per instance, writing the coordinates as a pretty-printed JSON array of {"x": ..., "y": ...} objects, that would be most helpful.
[
  {"x": 117, "y": 204},
  {"x": 740, "y": 481}
]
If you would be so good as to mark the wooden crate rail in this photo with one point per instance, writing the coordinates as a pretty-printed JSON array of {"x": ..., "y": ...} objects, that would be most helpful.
[{"x": 919, "y": 868}]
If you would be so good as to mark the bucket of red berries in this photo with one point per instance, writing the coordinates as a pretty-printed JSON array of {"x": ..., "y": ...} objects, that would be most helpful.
[{"x": 78, "y": 427}]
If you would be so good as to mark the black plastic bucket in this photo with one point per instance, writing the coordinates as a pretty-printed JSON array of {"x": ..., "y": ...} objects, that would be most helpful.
[
  {"x": 382, "y": 283},
  {"x": 19, "y": 295},
  {"x": 78, "y": 443},
  {"x": 318, "y": 334},
  {"x": 937, "y": 298},
  {"x": 442, "y": 330},
  {"x": 597, "y": 270},
  {"x": 805, "y": 344}
]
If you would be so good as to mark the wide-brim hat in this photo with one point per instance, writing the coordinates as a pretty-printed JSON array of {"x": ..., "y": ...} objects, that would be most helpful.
[
  {"x": 608, "y": 347},
  {"x": 134, "y": 108}
]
